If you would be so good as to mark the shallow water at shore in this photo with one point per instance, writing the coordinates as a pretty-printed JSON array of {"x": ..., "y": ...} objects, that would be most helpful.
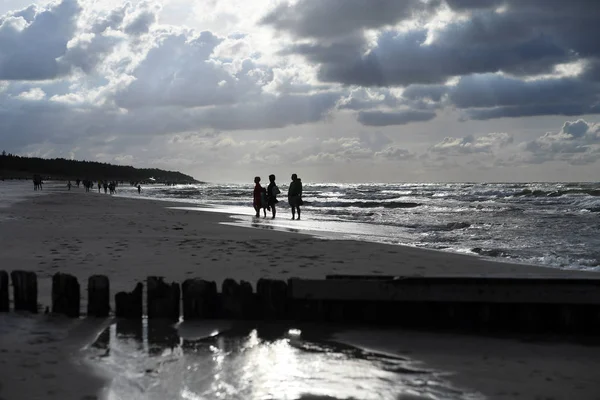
[{"x": 213, "y": 360}]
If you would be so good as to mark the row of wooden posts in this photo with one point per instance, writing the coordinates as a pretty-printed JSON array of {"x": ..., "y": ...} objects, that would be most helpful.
[
  {"x": 466, "y": 303},
  {"x": 200, "y": 297}
]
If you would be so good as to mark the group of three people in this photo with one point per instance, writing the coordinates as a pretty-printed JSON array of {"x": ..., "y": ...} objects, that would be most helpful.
[{"x": 267, "y": 198}]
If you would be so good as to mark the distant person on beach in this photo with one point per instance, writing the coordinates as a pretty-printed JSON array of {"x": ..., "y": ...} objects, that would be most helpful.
[
  {"x": 295, "y": 195},
  {"x": 69, "y": 185},
  {"x": 139, "y": 189},
  {"x": 99, "y": 186},
  {"x": 272, "y": 192},
  {"x": 37, "y": 182},
  {"x": 257, "y": 196},
  {"x": 105, "y": 185}
]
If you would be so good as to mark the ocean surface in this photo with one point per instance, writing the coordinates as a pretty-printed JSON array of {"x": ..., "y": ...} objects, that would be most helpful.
[{"x": 550, "y": 224}]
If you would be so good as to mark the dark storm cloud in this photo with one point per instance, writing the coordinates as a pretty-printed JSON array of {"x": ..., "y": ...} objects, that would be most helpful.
[
  {"x": 591, "y": 70},
  {"x": 382, "y": 118},
  {"x": 520, "y": 38},
  {"x": 425, "y": 92},
  {"x": 459, "y": 5},
  {"x": 31, "y": 42},
  {"x": 495, "y": 90},
  {"x": 491, "y": 96},
  {"x": 334, "y": 18},
  {"x": 404, "y": 58}
]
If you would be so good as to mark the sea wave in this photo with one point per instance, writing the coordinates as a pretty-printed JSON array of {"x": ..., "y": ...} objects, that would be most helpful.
[
  {"x": 364, "y": 204},
  {"x": 558, "y": 193}
]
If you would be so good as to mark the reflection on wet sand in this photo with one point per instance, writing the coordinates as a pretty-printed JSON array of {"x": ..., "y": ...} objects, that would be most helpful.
[
  {"x": 226, "y": 360},
  {"x": 257, "y": 223}
]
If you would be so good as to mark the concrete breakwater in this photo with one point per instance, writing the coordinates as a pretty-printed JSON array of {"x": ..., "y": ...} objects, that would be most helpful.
[{"x": 486, "y": 304}]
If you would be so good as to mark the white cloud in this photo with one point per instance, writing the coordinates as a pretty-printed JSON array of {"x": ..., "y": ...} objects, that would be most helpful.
[
  {"x": 32, "y": 94},
  {"x": 577, "y": 143}
]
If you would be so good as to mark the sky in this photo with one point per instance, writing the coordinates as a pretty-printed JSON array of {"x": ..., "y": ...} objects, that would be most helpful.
[{"x": 333, "y": 90}]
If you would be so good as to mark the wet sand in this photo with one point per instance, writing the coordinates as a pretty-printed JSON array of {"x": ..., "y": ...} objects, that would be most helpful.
[{"x": 129, "y": 239}]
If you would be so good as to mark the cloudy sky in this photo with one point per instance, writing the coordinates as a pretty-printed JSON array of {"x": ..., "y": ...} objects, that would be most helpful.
[{"x": 334, "y": 90}]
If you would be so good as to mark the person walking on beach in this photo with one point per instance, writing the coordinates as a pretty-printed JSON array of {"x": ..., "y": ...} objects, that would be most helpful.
[
  {"x": 272, "y": 192},
  {"x": 295, "y": 195},
  {"x": 139, "y": 188},
  {"x": 69, "y": 185},
  {"x": 257, "y": 196}
]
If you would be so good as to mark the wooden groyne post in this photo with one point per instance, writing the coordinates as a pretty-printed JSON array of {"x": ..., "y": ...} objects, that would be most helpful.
[
  {"x": 162, "y": 299},
  {"x": 237, "y": 300},
  {"x": 65, "y": 295},
  {"x": 98, "y": 296},
  {"x": 25, "y": 290},
  {"x": 272, "y": 296},
  {"x": 4, "y": 297},
  {"x": 130, "y": 304},
  {"x": 200, "y": 300}
]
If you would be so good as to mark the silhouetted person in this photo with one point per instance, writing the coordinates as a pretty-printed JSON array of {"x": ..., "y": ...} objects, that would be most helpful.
[
  {"x": 69, "y": 185},
  {"x": 36, "y": 182},
  {"x": 272, "y": 192},
  {"x": 295, "y": 195},
  {"x": 139, "y": 189},
  {"x": 105, "y": 185},
  {"x": 257, "y": 196},
  {"x": 99, "y": 186},
  {"x": 77, "y": 182},
  {"x": 263, "y": 201}
]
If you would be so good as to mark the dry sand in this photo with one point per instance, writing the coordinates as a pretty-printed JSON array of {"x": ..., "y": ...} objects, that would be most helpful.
[{"x": 129, "y": 239}]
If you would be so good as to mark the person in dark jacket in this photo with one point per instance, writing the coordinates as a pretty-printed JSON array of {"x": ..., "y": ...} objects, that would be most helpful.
[
  {"x": 295, "y": 195},
  {"x": 272, "y": 192}
]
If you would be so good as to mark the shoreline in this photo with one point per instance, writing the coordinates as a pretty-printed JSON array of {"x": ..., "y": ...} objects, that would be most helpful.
[{"x": 240, "y": 217}]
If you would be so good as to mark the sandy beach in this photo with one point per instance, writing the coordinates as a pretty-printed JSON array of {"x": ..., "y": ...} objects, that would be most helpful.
[{"x": 129, "y": 239}]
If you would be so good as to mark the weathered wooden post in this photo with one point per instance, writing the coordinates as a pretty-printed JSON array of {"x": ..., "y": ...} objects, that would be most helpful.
[
  {"x": 162, "y": 299},
  {"x": 129, "y": 305},
  {"x": 199, "y": 299},
  {"x": 4, "y": 302},
  {"x": 237, "y": 300},
  {"x": 65, "y": 295},
  {"x": 25, "y": 290},
  {"x": 272, "y": 298},
  {"x": 98, "y": 296}
]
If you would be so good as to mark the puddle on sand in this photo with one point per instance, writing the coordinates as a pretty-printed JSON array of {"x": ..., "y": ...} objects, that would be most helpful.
[{"x": 221, "y": 360}]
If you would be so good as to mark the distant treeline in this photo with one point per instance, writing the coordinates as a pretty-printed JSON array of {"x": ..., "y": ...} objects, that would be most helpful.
[{"x": 16, "y": 167}]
